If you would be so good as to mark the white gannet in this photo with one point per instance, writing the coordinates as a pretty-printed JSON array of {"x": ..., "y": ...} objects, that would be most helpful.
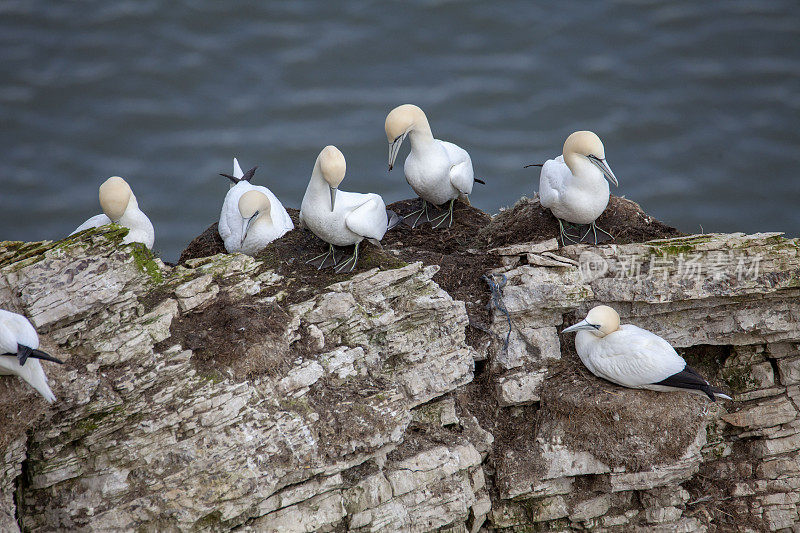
[
  {"x": 342, "y": 218},
  {"x": 438, "y": 171},
  {"x": 19, "y": 352},
  {"x": 119, "y": 205},
  {"x": 572, "y": 185},
  {"x": 251, "y": 216},
  {"x": 634, "y": 357}
]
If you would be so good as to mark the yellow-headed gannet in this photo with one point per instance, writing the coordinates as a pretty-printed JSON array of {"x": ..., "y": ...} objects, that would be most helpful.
[
  {"x": 19, "y": 353},
  {"x": 438, "y": 171},
  {"x": 634, "y": 357},
  {"x": 251, "y": 216},
  {"x": 572, "y": 185},
  {"x": 342, "y": 218},
  {"x": 119, "y": 205}
]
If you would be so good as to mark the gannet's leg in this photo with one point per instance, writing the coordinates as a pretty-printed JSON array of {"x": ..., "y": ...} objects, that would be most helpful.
[
  {"x": 445, "y": 216},
  {"x": 350, "y": 260},
  {"x": 419, "y": 213},
  {"x": 329, "y": 253},
  {"x": 564, "y": 235},
  {"x": 594, "y": 228}
]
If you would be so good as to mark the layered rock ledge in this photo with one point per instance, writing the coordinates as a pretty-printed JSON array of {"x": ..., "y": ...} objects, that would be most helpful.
[{"x": 237, "y": 393}]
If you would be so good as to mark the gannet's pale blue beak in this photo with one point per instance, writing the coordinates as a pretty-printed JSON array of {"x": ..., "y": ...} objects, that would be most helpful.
[
  {"x": 394, "y": 149},
  {"x": 604, "y": 168},
  {"x": 333, "y": 197},
  {"x": 583, "y": 324},
  {"x": 246, "y": 227}
]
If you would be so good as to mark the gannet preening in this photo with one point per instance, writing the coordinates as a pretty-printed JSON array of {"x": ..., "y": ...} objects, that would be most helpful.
[
  {"x": 119, "y": 205},
  {"x": 634, "y": 357},
  {"x": 573, "y": 185},
  {"x": 341, "y": 218},
  {"x": 19, "y": 353},
  {"x": 438, "y": 171},
  {"x": 251, "y": 216}
]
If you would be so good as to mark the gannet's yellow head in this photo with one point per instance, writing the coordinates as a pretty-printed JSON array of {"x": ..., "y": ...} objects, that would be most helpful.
[
  {"x": 253, "y": 205},
  {"x": 333, "y": 167},
  {"x": 115, "y": 193},
  {"x": 399, "y": 122},
  {"x": 587, "y": 144},
  {"x": 601, "y": 321}
]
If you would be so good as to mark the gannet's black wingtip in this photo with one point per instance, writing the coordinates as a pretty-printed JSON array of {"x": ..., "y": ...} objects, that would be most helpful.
[
  {"x": 394, "y": 219},
  {"x": 480, "y": 181},
  {"x": 534, "y": 165},
  {"x": 249, "y": 174},
  {"x": 234, "y": 180},
  {"x": 23, "y": 352},
  {"x": 44, "y": 356},
  {"x": 689, "y": 379}
]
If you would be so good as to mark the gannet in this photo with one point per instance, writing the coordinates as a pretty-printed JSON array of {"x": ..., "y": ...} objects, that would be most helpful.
[
  {"x": 634, "y": 357},
  {"x": 251, "y": 215},
  {"x": 119, "y": 205},
  {"x": 341, "y": 218},
  {"x": 572, "y": 185},
  {"x": 19, "y": 346},
  {"x": 438, "y": 171}
]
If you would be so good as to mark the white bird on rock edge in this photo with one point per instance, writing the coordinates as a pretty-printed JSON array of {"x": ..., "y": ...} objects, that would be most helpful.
[
  {"x": 119, "y": 205},
  {"x": 438, "y": 171},
  {"x": 573, "y": 185},
  {"x": 342, "y": 218},
  {"x": 634, "y": 357},
  {"x": 251, "y": 216},
  {"x": 19, "y": 353}
]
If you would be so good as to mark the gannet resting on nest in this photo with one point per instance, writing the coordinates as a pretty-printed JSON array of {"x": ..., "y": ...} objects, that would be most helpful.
[
  {"x": 19, "y": 353},
  {"x": 345, "y": 218},
  {"x": 634, "y": 357},
  {"x": 572, "y": 185},
  {"x": 251, "y": 216},
  {"x": 119, "y": 205},
  {"x": 438, "y": 171}
]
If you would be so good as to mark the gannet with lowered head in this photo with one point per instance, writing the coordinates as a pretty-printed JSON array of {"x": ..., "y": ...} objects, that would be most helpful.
[
  {"x": 19, "y": 352},
  {"x": 341, "y": 218},
  {"x": 634, "y": 357},
  {"x": 120, "y": 206},
  {"x": 438, "y": 171},
  {"x": 573, "y": 185},
  {"x": 251, "y": 216}
]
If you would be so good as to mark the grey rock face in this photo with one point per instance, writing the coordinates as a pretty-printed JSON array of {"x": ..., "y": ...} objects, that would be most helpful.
[{"x": 356, "y": 408}]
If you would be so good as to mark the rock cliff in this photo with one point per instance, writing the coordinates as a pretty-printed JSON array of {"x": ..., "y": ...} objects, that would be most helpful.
[{"x": 229, "y": 392}]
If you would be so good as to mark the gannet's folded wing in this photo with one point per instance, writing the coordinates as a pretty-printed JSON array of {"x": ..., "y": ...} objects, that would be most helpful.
[{"x": 369, "y": 219}]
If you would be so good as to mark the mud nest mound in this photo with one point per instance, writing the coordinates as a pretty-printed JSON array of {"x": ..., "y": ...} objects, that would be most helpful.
[
  {"x": 634, "y": 428},
  {"x": 528, "y": 221}
]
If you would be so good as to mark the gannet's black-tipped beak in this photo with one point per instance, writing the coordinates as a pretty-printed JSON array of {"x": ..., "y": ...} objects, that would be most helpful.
[
  {"x": 604, "y": 168},
  {"x": 394, "y": 149},
  {"x": 246, "y": 227},
  {"x": 234, "y": 180},
  {"x": 333, "y": 197}
]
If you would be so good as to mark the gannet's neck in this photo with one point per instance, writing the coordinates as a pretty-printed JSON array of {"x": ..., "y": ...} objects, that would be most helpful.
[
  {"x": 583, "y": 171},
  {"x": 318, "y": 189},
  {"x": 133, "y": 217},
  {"x": 420, "y": 133}
]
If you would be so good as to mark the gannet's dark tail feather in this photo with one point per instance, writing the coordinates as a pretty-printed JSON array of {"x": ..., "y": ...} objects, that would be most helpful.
[
  {"x": 394, "y": 219},
  {"x": 479, "y": 181},
  {"x": 689, "y": 379}
]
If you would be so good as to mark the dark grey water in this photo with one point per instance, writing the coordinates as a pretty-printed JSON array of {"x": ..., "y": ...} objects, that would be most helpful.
[{"x": 698, "y": 103}]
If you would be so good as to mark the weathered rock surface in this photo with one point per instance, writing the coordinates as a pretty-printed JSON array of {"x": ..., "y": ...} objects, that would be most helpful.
[{"x": 359, "y": 407}]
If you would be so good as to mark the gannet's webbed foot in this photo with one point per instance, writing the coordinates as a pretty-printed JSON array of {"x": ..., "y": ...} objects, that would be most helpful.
[
  {"x": 566, "y": 236},
  {"x": 350, "y": 261},
  {"x": 594, "y": 228},
  {"x": 330, "y": 254},
  {"x": 447, "y": 215},
  {"x": 419, "y": 212}
]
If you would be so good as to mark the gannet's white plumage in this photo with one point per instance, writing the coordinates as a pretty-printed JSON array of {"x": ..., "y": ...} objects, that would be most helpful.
[
  {"x": 119, "y": 205},
  {"x": 438, "y": 171},
  {"x": 634, "y": 357},
  {"x": 337, "y": 217},
  {"x": 251, "y": 216},
  {"x": 573, "y": 185},
  {"x": 20, "y": 343}
]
